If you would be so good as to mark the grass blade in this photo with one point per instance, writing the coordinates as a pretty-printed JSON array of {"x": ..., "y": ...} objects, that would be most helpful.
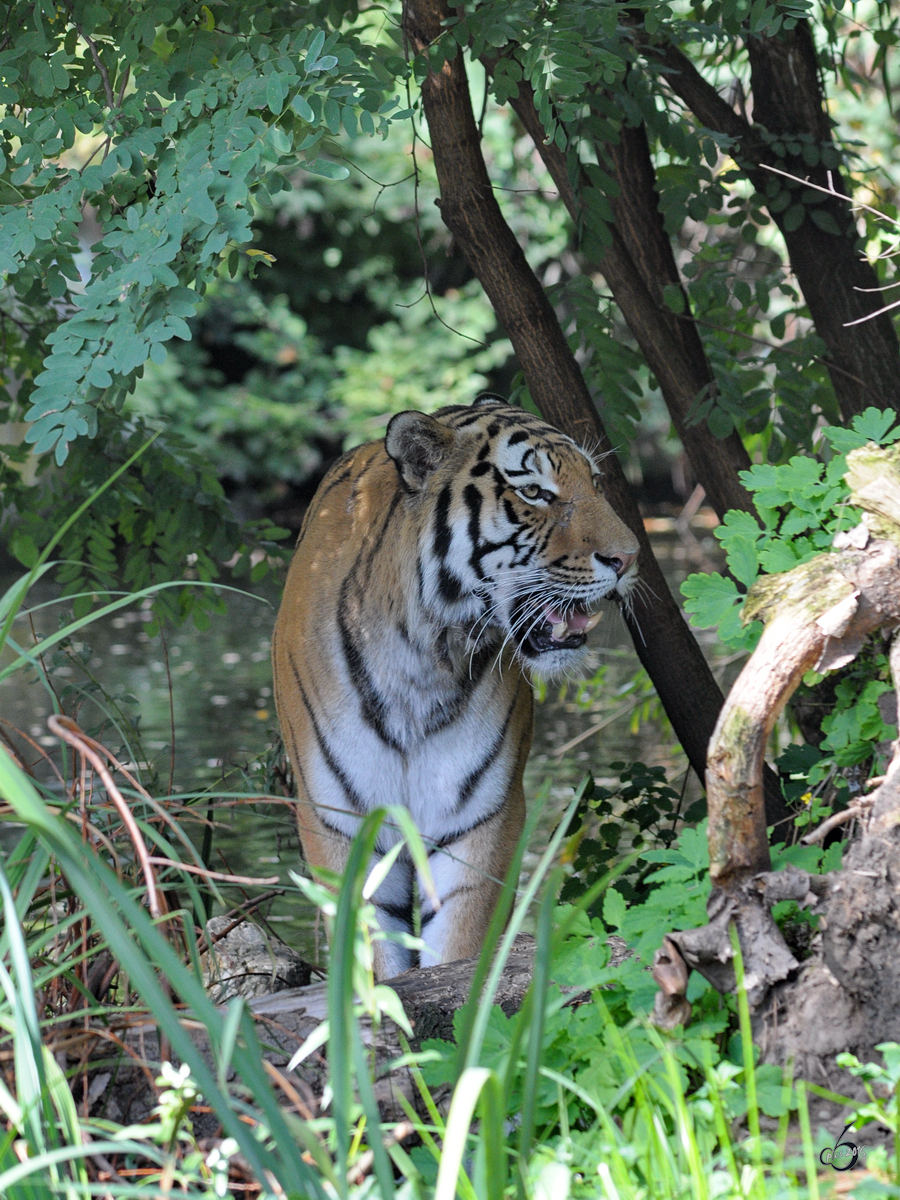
[
  {"x": 471, "y": 1084},
  {"x": 142, "y": 951}
]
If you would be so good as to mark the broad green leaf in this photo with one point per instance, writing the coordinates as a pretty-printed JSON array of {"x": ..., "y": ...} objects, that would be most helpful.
[{"x": 327, "y": 169}]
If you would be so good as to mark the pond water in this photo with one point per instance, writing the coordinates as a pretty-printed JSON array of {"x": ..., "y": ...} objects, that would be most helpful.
[{"x": 206, "y": 719}]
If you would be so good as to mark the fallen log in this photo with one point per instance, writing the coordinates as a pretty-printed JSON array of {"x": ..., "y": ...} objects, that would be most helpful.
[{"x": 121, "y": 1083}]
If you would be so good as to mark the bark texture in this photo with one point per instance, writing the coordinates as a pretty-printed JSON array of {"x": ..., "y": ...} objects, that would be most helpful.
[
  {"x": 837, "y": 281},
  {"x": 127, "y": 1059}
]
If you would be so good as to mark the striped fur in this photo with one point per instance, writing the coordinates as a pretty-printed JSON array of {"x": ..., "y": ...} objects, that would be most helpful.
[{"x": 434, "y": 572}]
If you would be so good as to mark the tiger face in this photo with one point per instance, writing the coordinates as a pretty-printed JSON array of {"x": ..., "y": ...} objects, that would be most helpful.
[{"x": 517, "y": 544}]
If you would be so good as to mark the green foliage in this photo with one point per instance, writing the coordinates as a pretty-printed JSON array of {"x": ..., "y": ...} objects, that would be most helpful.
[
  {"x": 166, "y": 518},
  {"x": 883, "y": 1106},
  {"x": 801, "y": 505},
  {"x": 642, "y": 810},
  {"x": 181, "y": 121},
  {"x": 602, "y": 1094}
]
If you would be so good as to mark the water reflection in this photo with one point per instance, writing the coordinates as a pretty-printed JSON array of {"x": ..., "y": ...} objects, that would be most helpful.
[{"x": 202, "y": 701}]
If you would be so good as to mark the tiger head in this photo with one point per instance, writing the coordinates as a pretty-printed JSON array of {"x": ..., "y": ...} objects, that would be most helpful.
[{"x": 516, "y": 543}]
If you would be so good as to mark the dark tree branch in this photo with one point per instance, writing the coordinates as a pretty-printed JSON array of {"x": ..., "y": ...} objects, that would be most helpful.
[
  {"x": 637, "y": 266},
  {"x": 670, "y": 344},
  {"x": 837, "y": 281}
]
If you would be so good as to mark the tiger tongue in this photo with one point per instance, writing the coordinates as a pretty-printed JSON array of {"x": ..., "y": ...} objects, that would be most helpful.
[{"x": 576, "y": 622}]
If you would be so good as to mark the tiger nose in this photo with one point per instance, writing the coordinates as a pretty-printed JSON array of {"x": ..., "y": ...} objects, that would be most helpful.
[{"x": 619, "y": 562}]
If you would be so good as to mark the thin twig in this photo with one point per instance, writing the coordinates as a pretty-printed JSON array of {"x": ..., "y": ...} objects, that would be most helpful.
[
  {"x": 240, "y": 914},
  {"x": 26, "y": 767},
  {"x": 157, "y": 861},
  {"x": 830, "y": 191},
  {"x": 126, "y": 75},
  {"x": 586, "y": 733},
  {"x": 98, "y": 63},
  {"x": 363, "y": 1165},
  {"x": 165, "y": 650},
  {"x": 841, "y": 818},
  {"x": 69, "y": 732},
  {"x": 289, "y": 1090}
]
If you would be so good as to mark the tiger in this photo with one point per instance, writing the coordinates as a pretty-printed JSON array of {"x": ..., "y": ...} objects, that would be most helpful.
[{"x": 436, "y": 572}]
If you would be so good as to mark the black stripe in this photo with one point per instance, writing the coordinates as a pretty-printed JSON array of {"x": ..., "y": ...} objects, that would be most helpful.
[
  {"x": 490, "y": 548},
  {"x": 471, "y": 418},
  {"x": 449, "y": 585},
  {"x": 353, "y": 797},
  {"x": 352, "y": 595},
  {"x": 457, "y": 891},
  {"x": 442, "y": 531},
  {"x": 400, "y": 912},
  {"x": 474, "y": 778},
  {"x": 377, "y": 543},
  {"x": 371, "y": 703},
  {"x": 451, "y": 838},
  {"x": 473, "y": 500},
  {"x": 522, "y": 436},
  {"x": 327, "y": 484},
  {"x": 446, "y": 714}
]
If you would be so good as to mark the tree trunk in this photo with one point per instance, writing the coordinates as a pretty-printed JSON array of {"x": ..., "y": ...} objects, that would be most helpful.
[
  {"x": 664, "y": 643},
  {"x": 837, "y": 281}
]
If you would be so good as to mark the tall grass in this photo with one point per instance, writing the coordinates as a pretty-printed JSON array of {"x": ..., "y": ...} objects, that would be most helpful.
[
  {"x": 673, "y": 1140},
  {"x": 521, "y": 1123}
]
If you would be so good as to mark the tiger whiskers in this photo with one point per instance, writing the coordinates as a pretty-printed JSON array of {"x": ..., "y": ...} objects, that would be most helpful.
[{"x": 534, "y": 574}]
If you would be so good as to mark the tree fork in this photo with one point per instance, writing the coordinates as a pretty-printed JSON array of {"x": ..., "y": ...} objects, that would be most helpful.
[
  {"x": 664, "y": 643},
  {"x": 637, "y": 265}
]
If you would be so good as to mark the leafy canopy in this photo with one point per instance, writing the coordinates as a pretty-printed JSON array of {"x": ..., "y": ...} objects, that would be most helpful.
[{"x": 170, "y": 122}]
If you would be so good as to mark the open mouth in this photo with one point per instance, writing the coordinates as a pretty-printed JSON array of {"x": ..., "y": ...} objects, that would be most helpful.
[{"x": 562, "y": 631}]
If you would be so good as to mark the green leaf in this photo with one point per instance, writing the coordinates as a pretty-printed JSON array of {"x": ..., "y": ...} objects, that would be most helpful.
[
  {"x": 673, "y": 297},
  {"x": 275, "y": 93},
  {"x": 714, "y": 601},
  {"x": 300, "y": 106},
  {"x": 877, "y": 425},
  {"x": 315, "y": 48},
  {"x": 739, "y": 534},
  {"x": 327, "y": 169},
  {"x": 793, "y": 218},
  {"x": 825, "y": 221},
  {"x": 614, "y": 909},
  {"x": 24, "y": 548},
  {"x": 720, "y": 422},
  {"x": 777, "y": 556}
]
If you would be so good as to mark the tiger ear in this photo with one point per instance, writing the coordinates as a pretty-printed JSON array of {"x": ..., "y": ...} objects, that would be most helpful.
[{"x": 418, "y": 444}]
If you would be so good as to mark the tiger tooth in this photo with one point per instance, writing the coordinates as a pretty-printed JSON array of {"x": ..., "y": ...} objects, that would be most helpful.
[
  {"x": 560, "y": 630},
  {"x": 592, "y": 621}
]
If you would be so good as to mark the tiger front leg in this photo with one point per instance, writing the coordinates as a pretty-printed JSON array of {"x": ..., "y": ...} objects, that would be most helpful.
[
  {"x": 468, "y": 876},
  {"x": 328, "y": 847}
]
